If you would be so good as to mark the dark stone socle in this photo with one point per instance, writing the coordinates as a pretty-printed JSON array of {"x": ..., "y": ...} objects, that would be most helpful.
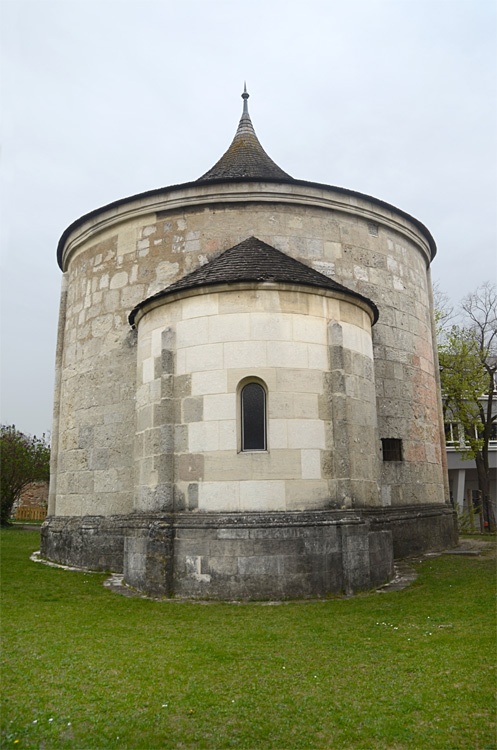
[{"x": 249, "y": 555}]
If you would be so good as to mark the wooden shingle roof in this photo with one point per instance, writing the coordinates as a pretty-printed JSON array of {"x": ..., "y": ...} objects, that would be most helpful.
[
  {"x": 254, "y": 261},
  {"x": 245, "y": 157}
]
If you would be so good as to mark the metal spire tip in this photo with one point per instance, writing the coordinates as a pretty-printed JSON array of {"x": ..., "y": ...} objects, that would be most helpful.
[{"x": 245, "y": 96}]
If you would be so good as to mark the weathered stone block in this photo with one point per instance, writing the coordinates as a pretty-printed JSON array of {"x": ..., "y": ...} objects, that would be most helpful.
[
  {"x": 235, "y": 533},
  {"x": 190, "y": 467},
  {"x": 182, "y": 386},
  {"x": 166, "y": 386},
  {"x": 85, "y": 437},
  {"x": 268, "y": 565},
  {"x": 192, "y": 496},
  {"x": 156, "y": 499},
  {"x": 355, "y": 557},
  {"x": 219, "y": 566},
  {"x": 166, "y": 363},
  {"x": 193, "y": 409},
  {"x": 380, "y": 557},
  {"x": 163, "y": 413},
  {"x": 189, "y": 547},
  {"x": 166, "y": 438},
  {"x": 164, "y": 465},
  {"x": 181, "y": 438}
]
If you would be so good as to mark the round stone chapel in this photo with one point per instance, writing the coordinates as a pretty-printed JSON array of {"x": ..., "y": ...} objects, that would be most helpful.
[{"x": 247, "y": 399}]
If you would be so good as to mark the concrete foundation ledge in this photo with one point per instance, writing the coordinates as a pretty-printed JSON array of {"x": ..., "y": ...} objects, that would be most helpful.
[
  {"x": 94, "y": 542},
  {"x": 416, "y": 528},
  {"x": 278, "y": 555}
]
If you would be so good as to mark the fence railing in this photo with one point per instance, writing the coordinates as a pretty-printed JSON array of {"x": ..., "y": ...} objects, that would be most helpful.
[{"x": 31, "y": 514}]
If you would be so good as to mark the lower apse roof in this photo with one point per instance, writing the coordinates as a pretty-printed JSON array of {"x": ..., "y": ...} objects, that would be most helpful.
[{"x": 254, "y": 261}]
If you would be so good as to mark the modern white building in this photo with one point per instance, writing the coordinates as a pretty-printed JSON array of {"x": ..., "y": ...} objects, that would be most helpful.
[{"x": 463, "y": 477}]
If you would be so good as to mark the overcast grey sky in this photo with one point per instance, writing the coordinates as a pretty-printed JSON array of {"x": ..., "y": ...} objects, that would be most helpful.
[{"x": 104, "y": 99}]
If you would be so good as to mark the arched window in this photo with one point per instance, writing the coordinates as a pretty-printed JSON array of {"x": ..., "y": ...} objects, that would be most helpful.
[{"x": 253, "y": 417}]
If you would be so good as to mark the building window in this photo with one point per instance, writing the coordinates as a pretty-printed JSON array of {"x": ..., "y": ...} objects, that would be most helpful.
[
  {"x": 451, "y": 433},
  {"x": 392, "y": 449},
  {"x": 253, "y": 417}
]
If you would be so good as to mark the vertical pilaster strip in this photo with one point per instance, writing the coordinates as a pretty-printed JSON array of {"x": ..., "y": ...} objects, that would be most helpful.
[
  {"x": 155, "y": 421},
  {"x": 341, "y": 449}
]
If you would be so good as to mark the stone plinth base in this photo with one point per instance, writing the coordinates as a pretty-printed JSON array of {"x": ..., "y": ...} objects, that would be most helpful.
[
  {"x": 250, "y": 555},
  {"x": 94, "y": 542},
  {"x": 416, "y": 528}
]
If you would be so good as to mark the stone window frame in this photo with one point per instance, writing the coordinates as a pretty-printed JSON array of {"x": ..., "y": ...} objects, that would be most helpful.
[{"x": 241, "y": 385}]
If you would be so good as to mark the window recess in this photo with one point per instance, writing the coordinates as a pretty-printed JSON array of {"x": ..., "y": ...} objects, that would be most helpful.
[
  {"x": 253, "y": 417},
  {"x": 392, "y": 449}
]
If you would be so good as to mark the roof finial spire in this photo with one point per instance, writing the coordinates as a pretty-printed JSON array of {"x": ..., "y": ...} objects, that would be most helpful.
[
  {"x": 245, "y": 158},
  {"x": 245, "y": 96}
]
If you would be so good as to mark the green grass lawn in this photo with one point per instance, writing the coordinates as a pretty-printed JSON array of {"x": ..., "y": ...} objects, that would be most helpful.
[{"x": 87, "y": 668}]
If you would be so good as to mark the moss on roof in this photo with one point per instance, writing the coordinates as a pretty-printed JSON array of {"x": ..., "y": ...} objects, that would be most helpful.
[{"x": 245, "y": 157}]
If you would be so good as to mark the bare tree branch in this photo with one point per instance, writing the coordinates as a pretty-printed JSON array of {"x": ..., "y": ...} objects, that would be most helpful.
[{"x": 468, "y": 360}]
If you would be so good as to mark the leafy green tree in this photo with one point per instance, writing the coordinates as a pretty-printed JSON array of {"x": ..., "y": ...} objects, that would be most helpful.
[
  {"x": 24, "y": 459},
  {"x": 468, "y": 366}
]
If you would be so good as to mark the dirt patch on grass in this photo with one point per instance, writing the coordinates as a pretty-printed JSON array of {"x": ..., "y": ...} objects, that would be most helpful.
[{"x": 477, "y": 543}]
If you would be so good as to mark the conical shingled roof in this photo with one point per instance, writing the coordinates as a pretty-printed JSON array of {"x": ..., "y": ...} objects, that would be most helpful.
[
  {"x": 254, "y": 260},
  {"x": 245, "y": 157}
]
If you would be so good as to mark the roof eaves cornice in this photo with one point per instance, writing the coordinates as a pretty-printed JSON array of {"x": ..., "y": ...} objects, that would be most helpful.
[{"x": 199, "y": 183}]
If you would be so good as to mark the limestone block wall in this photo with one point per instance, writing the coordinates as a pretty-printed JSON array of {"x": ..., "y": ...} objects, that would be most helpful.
[
  {"x": 94, "y": 411},
  {"x": 122, "y": 254},
  {"x": 195, "y": 351}
]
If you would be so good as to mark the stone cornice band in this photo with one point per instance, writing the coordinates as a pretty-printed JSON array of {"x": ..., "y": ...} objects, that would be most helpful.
[{"x": 291, "y": 192}]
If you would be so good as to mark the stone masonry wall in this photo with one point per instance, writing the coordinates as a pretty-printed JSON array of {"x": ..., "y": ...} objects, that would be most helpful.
[
  {"x": 112, "y": 263},
  {"x": 193, "y": 354}
]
